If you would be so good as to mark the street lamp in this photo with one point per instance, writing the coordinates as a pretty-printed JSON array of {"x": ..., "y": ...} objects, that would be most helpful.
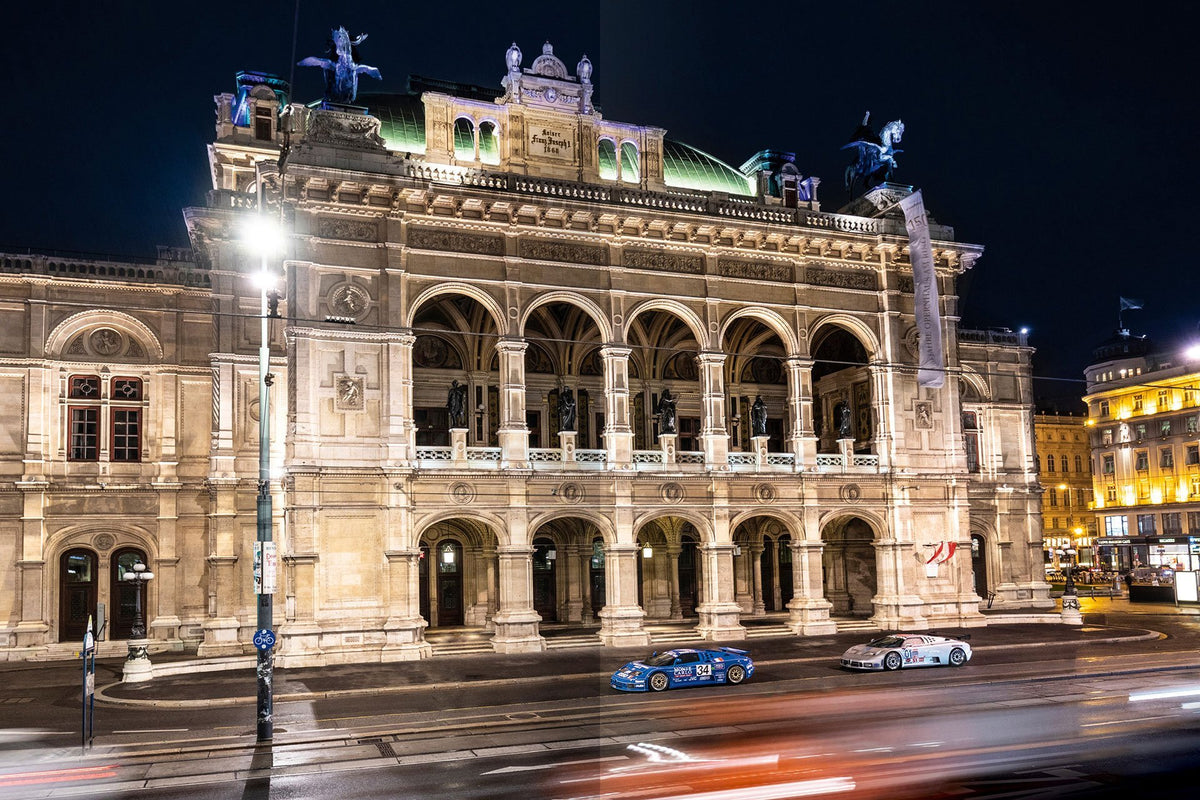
[
  {"x": 266, "y": 237},
  {"x": 137, "y": 662},
  {"x": 1068, "y": 553}
]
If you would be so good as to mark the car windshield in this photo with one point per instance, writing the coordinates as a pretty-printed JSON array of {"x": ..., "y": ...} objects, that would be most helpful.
[
  {"x": 886, "y": 641},
  {"x": 660, "y": 660}
]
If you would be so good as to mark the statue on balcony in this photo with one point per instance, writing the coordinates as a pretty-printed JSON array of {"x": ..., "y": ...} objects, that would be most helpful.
[
  {"x": 341, "y": 68},
  {"x": 456, "y": 405},
  {"x": 566, "y": 410},
  {"x": 666, "y": 412},
  {"x": 841, "y": 415},
  {"x": 758, "y": 417}
]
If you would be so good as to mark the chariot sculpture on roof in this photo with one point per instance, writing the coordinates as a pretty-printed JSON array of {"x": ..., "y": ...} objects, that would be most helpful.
[{"x": 876, "y": 154}]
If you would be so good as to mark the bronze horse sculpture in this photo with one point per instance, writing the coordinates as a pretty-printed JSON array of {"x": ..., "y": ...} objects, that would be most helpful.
[{"x": 876, "y": 154}]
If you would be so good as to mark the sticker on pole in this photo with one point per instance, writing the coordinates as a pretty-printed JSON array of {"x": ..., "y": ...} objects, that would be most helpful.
[{"x": 264, "y": 639}]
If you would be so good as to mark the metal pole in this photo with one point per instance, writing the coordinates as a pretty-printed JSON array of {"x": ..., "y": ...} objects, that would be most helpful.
[{"x": 265, "y": 665}]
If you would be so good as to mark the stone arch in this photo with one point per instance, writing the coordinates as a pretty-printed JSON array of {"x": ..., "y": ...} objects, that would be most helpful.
[
  {"x": 794, "y": 525},
  {"x": 698, "y": 521},
  {"x": 451, "y": 287},
  {"x": 977, "y": 382},
  {"x": 849, "y": 560},
  {"x": 493, "y": 522},
  {"x": 684, "y": 313},
  {"x": 604, "y": 525},
  {"x": 853, "y": 325},
  {"x": 767, "y": 317},
  {"x": 85, "y": 537},
  {"x": 594, "y": 312},
  {"x": 126, "y": 324}
]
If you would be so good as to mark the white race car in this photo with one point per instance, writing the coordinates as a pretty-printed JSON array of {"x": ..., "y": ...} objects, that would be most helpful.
[{"x": 898, "y": 650}]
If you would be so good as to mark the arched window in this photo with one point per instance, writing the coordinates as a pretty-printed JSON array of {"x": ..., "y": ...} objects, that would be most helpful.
[
  {"x": 464, "y": 139},
  {"x": 607, "y": 160},
  {"x": 489, "y": 143},
  {"x": 1062, "y": 463},
  {"x": 1078, "y": 464},
  {"x": 630, "y": 172}
]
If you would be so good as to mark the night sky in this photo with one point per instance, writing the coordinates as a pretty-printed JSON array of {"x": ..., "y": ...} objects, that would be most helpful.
[{"x": 1057, "y": 135}]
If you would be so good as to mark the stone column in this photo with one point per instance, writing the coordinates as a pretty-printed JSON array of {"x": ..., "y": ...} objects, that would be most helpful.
[
  {"x": 756, "y": 585},
  {"x": 621, "y": 618},
  {"x": 673, "y": 552},
  {"x": 720, "y": 615},
  {"x": 714, "y": 438},
  {"x": 585, "y": 564},
  {"x": 516, "y": 622},
  {"x": 576, "y": 592},
  {"x": 618, "y": 435},
  {"x": 881, "y": 408},
  {"x": 222, "y": 624},
  {"x": 802, "y": 438},
  {"x": 400, "y": 429},
  {"x": 808, "y": 610},
  {"x": 33, "y": 572},
  {"x": 404, "y": 628},
  {"x": 513, "y": 433}
]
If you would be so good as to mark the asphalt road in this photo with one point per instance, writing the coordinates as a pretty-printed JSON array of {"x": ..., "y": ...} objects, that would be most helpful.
[{"x": 1048, "y": 715}]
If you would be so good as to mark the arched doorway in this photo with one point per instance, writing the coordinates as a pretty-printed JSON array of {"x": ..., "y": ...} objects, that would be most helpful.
[
  {"x": 125, "y": 597},
  {"x": 786, "y": 591},
  {"x": 979, "y": 565},
  {"x": 446, "y": 568},
  {"x": 545, "y": 580},
  {"x": 767, "y": 575},
  {"x": 77, "y": 593},
  {"x": 689, "y": 576},
  {"x": 849, "y": 568},
  {"x": 596, "y": 576}
]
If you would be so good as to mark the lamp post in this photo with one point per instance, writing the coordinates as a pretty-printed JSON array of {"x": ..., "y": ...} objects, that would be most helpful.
[
  {"x": 137, "y": 663},
  {"x": 1070, "y": 603},
  {"x": 265, "y": 237},
  {"x": 1068, "y": 553}
]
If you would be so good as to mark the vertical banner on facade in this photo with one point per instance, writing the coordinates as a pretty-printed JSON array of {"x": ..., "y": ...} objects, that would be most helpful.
[{"x": 931, "y": 369}]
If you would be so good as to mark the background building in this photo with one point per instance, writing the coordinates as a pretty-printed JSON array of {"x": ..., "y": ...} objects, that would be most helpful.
[
  {"x": 1064, "y": 460},
  {"x": 612, "y": 302},
  {"x": 1144, "y": 416}
]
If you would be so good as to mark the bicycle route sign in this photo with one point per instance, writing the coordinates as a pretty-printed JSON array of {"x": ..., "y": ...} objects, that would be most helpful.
[{"x": 264, "y": 639}]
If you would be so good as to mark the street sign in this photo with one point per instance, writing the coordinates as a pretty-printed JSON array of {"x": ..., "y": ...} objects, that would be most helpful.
[{"x": 264, "y": 639}]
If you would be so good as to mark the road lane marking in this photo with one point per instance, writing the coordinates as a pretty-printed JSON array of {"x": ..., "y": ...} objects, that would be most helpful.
[
  {"x": 156, "y": 730},
  {"x": 555, "y": 765}
]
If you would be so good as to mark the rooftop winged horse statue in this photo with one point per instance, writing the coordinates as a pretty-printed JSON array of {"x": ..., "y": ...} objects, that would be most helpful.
[
  {"x": 876, "y": 154},
  {"x": 341, "y": 71}
]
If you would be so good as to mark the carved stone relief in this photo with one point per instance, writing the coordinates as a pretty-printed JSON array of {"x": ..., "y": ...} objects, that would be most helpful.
[
  {"x": 349, "y": 394},
  {"x": 594, "y": 255},
  {"x": 348, "y": 300},
  {"x": 755, "y": 270},
  {"x": 453, "y": 241},
  {"x": 840, "y": 279},
  {"x": 665, "y": 262},
  {"x": 351, "y": 229}
]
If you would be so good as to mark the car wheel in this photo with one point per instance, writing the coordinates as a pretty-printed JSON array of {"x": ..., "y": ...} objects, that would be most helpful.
[
  {"x": 735, "y": 674},
  {"x": 892, "y": 661},
  {"x": 957, "y": 657},
  {"x": 658, "y": 682}
]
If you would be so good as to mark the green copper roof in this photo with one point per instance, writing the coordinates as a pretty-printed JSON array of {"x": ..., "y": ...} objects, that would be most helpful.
[
  {"x": 402, "y": 126},
  {"x": 401, "y": 118},
  {"x": 685, "y": 167}
]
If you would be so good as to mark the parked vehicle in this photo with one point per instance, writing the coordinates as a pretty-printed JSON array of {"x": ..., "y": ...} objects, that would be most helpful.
[{"x": 684, "y": 667}]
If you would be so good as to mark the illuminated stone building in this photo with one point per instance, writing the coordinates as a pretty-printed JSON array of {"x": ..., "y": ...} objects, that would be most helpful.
[
  {"x": 1064, "y": 460},
  {"x": 1144, "y": 417},
  {"x": 524, "y": 246}
]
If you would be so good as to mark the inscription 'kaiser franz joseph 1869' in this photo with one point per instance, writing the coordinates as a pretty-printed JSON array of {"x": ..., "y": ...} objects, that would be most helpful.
[{"x": 545, "y": 141}]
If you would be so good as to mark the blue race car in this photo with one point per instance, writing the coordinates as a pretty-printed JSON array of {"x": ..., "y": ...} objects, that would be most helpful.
[{"x": 684, "y": 668}]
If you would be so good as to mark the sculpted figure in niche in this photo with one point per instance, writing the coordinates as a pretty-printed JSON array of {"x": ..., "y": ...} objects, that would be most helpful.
[
  {"x": 666, "y": 412},
  {"x": 456, "y": 405},
  {"x": 566, "y": 410},
  {"x": 758, "y": 417},
  {"x": 341, "y": 67}
]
